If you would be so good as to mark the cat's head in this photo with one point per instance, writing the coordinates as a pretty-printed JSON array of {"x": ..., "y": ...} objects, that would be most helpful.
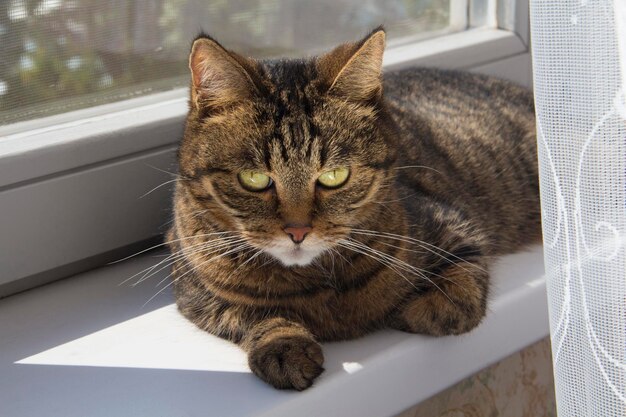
[{"x": 290, "y": 154}]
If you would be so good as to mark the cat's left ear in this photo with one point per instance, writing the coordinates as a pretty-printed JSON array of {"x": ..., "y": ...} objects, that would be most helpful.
[{"x": 354, "y": 70}]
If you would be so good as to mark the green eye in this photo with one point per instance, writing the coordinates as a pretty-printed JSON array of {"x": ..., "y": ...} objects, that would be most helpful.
[
  {"x": 254, "y": 181},
  {"x": 334, "y": 178}
]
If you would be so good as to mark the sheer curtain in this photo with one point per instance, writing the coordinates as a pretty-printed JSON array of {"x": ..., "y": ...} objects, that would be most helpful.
[{"x": 579, "y": 60}]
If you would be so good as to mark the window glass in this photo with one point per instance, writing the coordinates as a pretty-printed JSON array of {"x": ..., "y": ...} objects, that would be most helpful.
[{"x": 62, "y": 55}]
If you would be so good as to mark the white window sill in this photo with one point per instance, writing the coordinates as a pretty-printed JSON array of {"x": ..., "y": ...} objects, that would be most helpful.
[{"x": 86, "y": 346}]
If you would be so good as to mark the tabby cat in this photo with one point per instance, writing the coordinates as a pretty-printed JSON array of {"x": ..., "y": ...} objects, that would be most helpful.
[{"x": 319, "y": 200}]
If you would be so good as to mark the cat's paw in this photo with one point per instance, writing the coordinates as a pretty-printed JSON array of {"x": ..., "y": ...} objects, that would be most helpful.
[
  {"x": 437, "y": 315},
  {"x": 457, "y": 304},
  {"x": 287, "y": 362}
]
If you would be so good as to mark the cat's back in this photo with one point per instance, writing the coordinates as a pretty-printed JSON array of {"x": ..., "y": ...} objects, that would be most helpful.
[
  {"x": 458, "y": 101},
  {"x": 471, "y": 139}
]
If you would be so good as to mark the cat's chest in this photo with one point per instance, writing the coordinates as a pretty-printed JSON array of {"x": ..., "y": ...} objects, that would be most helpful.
[{"x": 339, "y": 306}]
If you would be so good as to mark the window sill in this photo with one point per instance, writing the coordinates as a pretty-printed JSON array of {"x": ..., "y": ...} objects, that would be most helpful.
[
  {"x": 86, "y": 346},
  {"x": 458, "y": 50}
]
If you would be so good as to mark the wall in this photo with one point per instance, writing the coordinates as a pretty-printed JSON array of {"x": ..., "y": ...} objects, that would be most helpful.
[{"x": 521, "y": 385}]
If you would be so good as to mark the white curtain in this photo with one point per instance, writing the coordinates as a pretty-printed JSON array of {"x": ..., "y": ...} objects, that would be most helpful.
[{"x": 579, "y": 60}]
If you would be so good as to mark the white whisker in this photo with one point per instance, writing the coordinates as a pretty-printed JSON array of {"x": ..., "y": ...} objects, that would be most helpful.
[
  {"x": 340, "y": 255},
  {"x": 399, "y": 264},
  {"x": 240, "y": 247},
  {"x": 166, "y": 243},
  {"x": 165, "y": 171},
  {"x": 424, "y": 245},
  {"x": 212, "y": 248},
  {"x": 161, "y": 185},
  {"x": 255, "y": 255},
  {"x": 419, "y": 166},
  {"x": 344, "y": 244}
]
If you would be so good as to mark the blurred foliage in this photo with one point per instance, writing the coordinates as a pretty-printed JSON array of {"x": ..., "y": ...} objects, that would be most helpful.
[{"x": 57, "y": 55}]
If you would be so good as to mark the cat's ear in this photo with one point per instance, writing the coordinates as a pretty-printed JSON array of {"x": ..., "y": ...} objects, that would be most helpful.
[
  {"x": 219, "y": 78},
  {"x": 354, "y": 70}
]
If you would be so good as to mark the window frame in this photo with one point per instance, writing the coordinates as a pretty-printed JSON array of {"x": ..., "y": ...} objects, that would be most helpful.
[{"x": 65, "y": 181}]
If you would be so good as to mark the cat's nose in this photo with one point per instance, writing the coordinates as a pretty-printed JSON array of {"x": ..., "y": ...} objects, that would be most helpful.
[{"x": 297, "y": 232}]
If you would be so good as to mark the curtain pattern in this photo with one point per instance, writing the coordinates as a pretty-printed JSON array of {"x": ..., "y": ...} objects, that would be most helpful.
[{"x": 579, "y": 62}]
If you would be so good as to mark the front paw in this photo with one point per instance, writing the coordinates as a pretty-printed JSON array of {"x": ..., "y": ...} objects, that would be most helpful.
[
  {"x": 455, "y": 306},
  {"x": 288, "y": 362},
  {"x": 438, "y": 315}
]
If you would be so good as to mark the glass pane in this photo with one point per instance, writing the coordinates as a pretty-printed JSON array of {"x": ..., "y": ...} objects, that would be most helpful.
[{"x": 62, "y": 55}]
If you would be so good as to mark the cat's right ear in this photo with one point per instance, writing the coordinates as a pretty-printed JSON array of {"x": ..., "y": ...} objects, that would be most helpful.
[
  {"x": 219, "y": 78},
  {"x": 354, "y": 70}
]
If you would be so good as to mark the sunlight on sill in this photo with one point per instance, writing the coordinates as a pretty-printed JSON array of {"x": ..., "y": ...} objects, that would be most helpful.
[
  {"x": 160, "y": 339},
  {"x": 352, "y": 367},
  {"x": 536, "y": 282}
]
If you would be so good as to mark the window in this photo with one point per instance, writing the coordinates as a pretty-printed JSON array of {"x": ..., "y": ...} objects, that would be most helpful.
[
  {"x": 62, "y": 55},
  {"x": 93, "y": 96}
]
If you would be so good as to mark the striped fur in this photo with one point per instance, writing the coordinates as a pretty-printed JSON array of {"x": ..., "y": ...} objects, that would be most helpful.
[{"x": 443, "y": 178}]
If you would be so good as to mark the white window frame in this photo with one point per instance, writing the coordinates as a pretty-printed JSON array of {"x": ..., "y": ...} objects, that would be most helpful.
[{"x": 70, "y": 183}]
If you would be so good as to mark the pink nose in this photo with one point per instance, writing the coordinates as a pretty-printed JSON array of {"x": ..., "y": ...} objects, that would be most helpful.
[{"x": 297, "y": 233}]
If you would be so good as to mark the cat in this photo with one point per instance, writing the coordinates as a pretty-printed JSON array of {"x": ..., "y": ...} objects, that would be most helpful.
[{"x": 319, "y": 200}]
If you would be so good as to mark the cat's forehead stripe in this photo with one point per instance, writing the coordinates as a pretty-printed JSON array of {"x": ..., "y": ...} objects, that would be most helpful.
[
  {"x": 294, "y": 129},
  {"x": 292, "y": 75}
]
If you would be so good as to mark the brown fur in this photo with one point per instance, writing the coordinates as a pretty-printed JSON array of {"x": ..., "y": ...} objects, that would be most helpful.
[{"x": 443, "y": 178}]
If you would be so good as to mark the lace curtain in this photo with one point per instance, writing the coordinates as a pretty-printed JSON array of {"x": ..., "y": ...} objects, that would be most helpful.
[{"x": 579, "y": 60}]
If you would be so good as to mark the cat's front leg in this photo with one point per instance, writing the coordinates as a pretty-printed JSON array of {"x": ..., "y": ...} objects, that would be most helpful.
[
  {"x": 283, "y": 353},
  {"x": 280, "y": 351}
]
